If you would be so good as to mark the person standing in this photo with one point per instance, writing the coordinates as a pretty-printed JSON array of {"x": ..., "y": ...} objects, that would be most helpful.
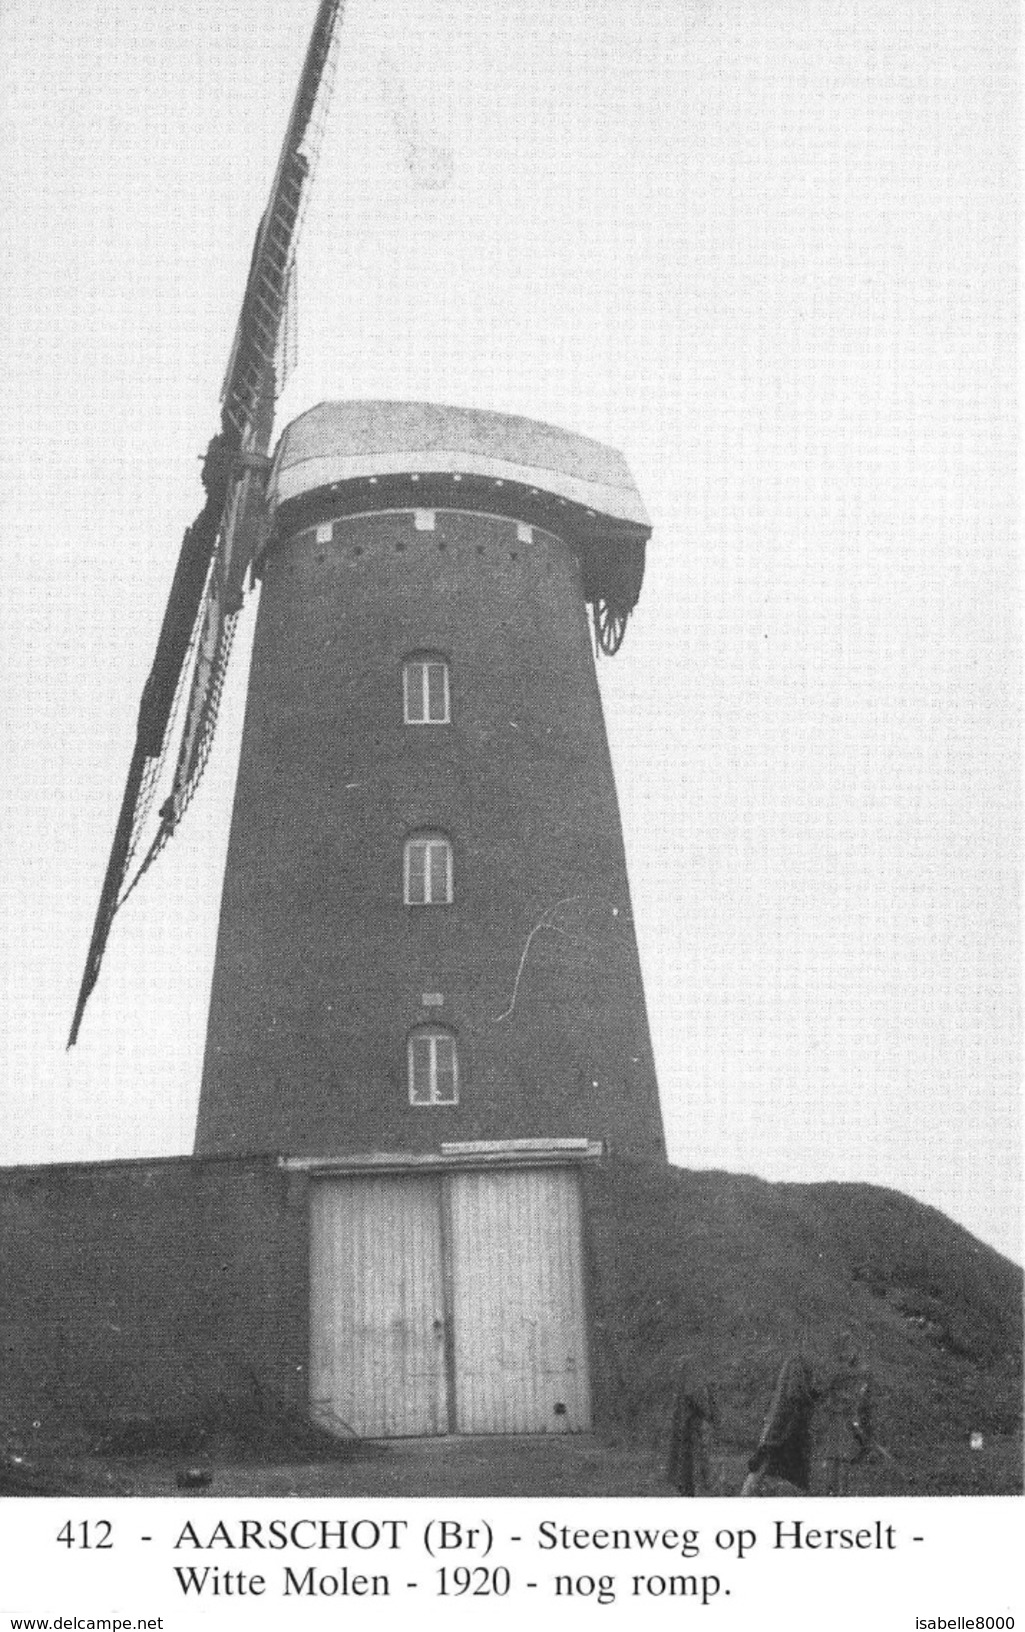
[
  {"x": 692, "y": 1415},
  {"x": 783, "y": 1453}
]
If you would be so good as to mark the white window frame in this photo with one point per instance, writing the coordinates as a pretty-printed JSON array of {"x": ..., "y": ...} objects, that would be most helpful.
[
  {"x": 433, "y": 1035},
  {"x": 423, "y": 844},
  {"x": 416, "y": 696}
]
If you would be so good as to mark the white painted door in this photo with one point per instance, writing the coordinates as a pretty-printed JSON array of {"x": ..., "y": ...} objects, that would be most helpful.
[
  {"x": 519, "y": 1330},
  {"x": 378, "y": 1365}
]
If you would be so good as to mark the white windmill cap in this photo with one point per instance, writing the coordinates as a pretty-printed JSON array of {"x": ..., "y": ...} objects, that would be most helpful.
[{"x": 340, "y": 442}]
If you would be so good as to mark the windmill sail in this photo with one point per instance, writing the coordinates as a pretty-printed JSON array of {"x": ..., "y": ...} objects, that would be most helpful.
[{"x": 206, "y": 594}]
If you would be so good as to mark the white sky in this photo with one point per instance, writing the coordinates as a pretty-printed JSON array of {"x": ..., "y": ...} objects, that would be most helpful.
[{"x": 765, "y": 248}]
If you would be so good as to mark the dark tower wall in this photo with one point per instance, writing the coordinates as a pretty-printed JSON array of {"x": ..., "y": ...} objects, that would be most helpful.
[{"x": 321, "y": 969}]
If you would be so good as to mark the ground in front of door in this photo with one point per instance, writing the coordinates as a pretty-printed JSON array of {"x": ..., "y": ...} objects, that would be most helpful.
[{"x": 493, "y": 1465}]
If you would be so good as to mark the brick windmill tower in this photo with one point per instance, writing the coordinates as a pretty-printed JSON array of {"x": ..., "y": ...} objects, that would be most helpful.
[
  {"x": 426, "y": 933},
  {"x": 427, "y": 993},
  {"x": 427, "y": 1009}
]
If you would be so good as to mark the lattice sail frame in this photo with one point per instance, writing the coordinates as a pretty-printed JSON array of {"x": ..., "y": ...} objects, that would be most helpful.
[
  {"x": 248, "y": 399},
  {"x": 206, "y": 593}
]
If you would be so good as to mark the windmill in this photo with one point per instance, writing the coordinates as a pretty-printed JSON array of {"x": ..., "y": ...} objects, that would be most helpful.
[
  {"x": 182, "y": 693},
  {"x": 427, "y": 1006},
  {"x": 515, "y": 553}
]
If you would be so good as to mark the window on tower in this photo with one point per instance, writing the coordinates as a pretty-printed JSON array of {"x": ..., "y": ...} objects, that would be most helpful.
[
  {"x": 433, "y": 1066},
  {"x": 425, "y": 690},
  {"x": 427, "y": 871}
]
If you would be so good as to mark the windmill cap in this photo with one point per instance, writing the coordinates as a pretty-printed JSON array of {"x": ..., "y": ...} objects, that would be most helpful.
[{"x": 340, "y": 442}]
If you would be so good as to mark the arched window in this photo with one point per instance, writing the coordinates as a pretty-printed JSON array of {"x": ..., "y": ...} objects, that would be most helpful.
[
  {"x": 427, "y": 871},
  {"x": 425, "y": 689},
  {"x": 433, "y": 1066}
]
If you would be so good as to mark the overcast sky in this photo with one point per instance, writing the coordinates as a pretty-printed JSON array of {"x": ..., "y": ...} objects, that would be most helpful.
[{"x": 764, "y": 248}]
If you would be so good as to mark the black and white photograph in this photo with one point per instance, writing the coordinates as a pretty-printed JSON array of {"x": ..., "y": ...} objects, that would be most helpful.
[{"x": 510, "y": 674}]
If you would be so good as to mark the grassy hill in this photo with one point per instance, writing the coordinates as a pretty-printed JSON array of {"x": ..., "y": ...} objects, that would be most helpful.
[
  {"x": 727, "y": 1275},
  {"x": 717, "y": 1273}
]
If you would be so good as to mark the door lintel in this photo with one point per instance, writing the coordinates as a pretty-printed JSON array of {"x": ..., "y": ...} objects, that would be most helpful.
[{"x": 453, "y": 1157}]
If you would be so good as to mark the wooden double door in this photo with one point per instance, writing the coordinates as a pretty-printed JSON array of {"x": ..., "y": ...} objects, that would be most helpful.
[{"x": 448, "y": 1304}]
